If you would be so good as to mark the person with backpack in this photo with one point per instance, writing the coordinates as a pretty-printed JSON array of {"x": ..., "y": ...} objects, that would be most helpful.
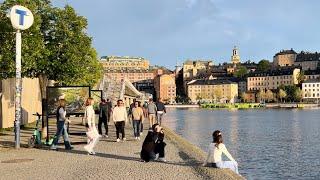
[
  {"x": 104, "y": 111},
  {"x": 61, "y": 127}
]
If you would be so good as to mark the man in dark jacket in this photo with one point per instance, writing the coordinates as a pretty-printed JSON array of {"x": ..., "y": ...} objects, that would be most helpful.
[
  {"x": 104, "y": 116},
  {"x": 153, "y": 145},
  {"x": 161, "y": 110}
]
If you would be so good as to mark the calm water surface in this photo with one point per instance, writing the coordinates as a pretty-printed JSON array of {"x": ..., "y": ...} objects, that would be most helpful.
[{"x": 268, "y": 144}]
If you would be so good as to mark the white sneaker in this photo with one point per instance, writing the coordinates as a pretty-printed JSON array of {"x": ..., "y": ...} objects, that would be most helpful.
[
  {"x": 124, "y": 139},
  {"x": 162, "y": 160},
  {"x": 118, "y": 140},
  {"x": 139, "y": 138},
  {"x": 141, "y": 134},
  {"x": 135, "y": 138}
]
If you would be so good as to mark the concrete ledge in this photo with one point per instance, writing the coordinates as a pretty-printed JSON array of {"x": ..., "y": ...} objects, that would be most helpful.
[{"x": 195, "y": 157}]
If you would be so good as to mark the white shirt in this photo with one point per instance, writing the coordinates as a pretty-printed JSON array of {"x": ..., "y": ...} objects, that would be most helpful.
[
  {"x": 89, "y": 115},
  {"x": 62, "y": 114},
  {"x": 119, "y": 114},
  {"x": 214, "y": 153}
]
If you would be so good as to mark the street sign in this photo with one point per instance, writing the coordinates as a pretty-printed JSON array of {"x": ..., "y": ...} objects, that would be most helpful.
[{"x": 21, "y": 17}]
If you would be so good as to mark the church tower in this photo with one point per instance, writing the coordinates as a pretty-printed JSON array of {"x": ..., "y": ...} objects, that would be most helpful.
[{"x": 235, "y": 58}]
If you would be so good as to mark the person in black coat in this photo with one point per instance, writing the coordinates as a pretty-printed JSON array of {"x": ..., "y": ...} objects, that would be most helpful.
[{"x": 153, "y": 145}]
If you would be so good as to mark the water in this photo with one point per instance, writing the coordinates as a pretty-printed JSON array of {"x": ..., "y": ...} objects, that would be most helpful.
[{"x": 268, "y": 143}]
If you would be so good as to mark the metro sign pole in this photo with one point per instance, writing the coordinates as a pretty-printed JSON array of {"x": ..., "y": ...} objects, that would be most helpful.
[{"x": 21, "y": 19}]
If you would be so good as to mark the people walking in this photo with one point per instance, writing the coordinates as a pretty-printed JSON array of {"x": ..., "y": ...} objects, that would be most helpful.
[
  {"x": 92, "y": 133},
  {"x": 137, "y": 119},
  {"x": 216, "y": 148},
  {"x": 161, "y": 110},
  {"x": 152, "y": 112},
  {"x": 153, "y": 147},
  {"x": 120, "y": 117},
  {"x": 104, "y": 112},
  {"x": 61, "y": 127}
]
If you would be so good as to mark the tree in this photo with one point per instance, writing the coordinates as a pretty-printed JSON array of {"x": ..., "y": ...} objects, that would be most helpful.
[
  {"x": 241, "y": 72},
  {"x": 298, "y": 95},
  {"x": 263, "y": 65},
  {"x": 269, "y": 95},
  {"x": 56, "y": 46},
  {"x": 301, "y": 77},
  {"x": 261, "y": 95},
  {"x": 282, "y": 94}
]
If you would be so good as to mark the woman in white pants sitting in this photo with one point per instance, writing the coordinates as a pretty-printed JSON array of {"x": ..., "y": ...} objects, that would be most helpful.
[
  {"x": 216, "y": 148},
  {"x": 93, "y": 135}
]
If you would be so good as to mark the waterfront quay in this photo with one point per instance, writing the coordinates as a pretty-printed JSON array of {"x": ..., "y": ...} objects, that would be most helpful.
[{"x": 113, "y": 160}]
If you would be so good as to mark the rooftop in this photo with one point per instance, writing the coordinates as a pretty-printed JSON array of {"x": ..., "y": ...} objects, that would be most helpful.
[
  {"x": 119, "y": 58},
  {"x": 210, "y": 82},
  {"x": 283, "y": 52},
  {"x": 273, "y": 72},
  {"x": 307, "y": 56}
]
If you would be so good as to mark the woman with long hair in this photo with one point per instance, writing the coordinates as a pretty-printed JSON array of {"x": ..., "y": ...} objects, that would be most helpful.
[
  {"x": 92, "y": 133},
  {"x": 61, "y": 127},
  {"x": 216, "y": 148}
]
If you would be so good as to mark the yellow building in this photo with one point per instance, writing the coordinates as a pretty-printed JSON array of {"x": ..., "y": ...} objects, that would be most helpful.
[
  {"x": 192, "y": 69},
  {"x": 213, "y": 90},
  {"x": 124, "y": 62},
  {"x": 165, "y": 87},
  {"x": 272, "y": 79},
  {"x": 235, "y": 58},
  {"x": 284, "y": 58}
]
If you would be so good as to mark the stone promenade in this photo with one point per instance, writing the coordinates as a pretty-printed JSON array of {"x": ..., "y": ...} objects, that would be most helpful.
[{"x": 114, "y": 160}]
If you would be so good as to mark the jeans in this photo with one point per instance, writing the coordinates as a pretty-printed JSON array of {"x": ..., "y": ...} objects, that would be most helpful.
[
  {"x": 105, "y": 122},
  {"x": 136, "y": 128},
  {"x": 120, "y": 128},
  {"x": 159, "y": 117},
  {"x": 62, "y": 130}
]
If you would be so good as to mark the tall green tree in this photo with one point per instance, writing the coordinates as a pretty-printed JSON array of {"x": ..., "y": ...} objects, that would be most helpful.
[
  {"x": 301, "y": 77},
  {"x": 56, "y": 47},
  {"x": 241, "y": 72},
  {"x": 263, "y": 65}
]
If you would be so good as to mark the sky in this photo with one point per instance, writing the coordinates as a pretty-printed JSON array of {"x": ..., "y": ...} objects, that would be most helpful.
[{"x": 171, "y": 31}]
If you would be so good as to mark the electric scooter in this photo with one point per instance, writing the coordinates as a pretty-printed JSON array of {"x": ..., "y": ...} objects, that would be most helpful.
[{"x": 35, "y": 139}]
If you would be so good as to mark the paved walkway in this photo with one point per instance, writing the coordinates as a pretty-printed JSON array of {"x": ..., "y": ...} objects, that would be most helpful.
[{"x": 114, "y": 160}]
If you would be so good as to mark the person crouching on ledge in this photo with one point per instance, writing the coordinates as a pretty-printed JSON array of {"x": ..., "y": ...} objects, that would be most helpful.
[
  {"x": 216, "y": 148},
  {"x": 153, "y": 145}
]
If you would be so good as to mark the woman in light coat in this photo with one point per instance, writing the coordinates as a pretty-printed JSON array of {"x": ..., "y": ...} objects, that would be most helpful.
[{"x": 92, "y": 133}]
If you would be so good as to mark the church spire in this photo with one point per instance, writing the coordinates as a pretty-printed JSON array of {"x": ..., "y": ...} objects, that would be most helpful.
[{"x": 235, "y": 58}]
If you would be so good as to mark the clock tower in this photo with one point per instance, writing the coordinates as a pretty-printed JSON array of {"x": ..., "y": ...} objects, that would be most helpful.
[{"x": 235, "y": 58}]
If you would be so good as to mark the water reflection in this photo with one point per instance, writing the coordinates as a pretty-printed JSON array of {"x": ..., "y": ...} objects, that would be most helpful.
[{"x": 269, "y": 144}]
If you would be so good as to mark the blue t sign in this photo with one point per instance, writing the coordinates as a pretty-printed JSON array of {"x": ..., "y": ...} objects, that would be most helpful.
[{"x": 22, "y": 13}]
